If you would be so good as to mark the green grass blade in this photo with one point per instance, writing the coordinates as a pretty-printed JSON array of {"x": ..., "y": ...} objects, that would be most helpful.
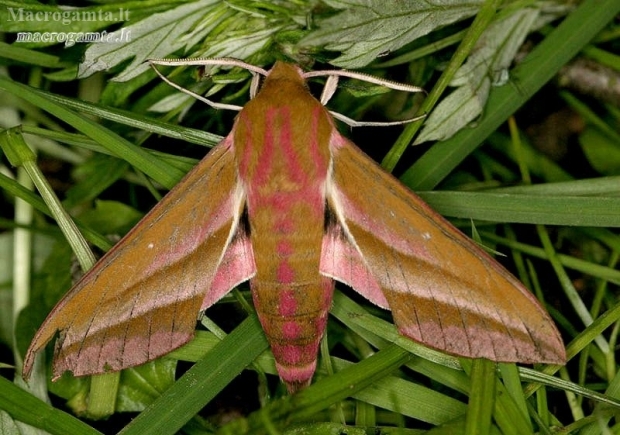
[
  {"x": 160, "y": 171},
  {"x": 593, "y": 211},
  {"x": 25, "y": 407},
  {"x": 202, "y": 382},
  {"x": 321, "y": 394},
  {"x": 481, "y": 397}
]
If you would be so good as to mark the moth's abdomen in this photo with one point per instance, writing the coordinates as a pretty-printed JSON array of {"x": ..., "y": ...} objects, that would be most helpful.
[
  {"x": 294, "y": 317},
  {"x": 291, "y": 298}
]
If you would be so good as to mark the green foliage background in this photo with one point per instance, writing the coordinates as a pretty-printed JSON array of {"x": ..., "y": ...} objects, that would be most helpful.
[{"x": 119, "y": 133}]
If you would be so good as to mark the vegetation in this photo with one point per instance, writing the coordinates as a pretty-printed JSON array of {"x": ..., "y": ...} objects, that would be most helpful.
[{"x": 519, "y": 148}]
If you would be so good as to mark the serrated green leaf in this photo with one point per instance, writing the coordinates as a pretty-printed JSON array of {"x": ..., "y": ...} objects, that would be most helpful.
[
  {"x": 215, "y": 25},
  {"x": 455, "y": 111},
  {"x": 488, "y": 63},
  {"x": 140, "y": 386},
  {"x": 368, "y": 28},
  {"x": 153, "y": 37},
  {"x": 241, "y": 44}
]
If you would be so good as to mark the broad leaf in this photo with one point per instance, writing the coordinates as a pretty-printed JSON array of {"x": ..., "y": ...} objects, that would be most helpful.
[
  {"x": 219, "y": 29},
  {"x": 368, "y": 28},
  {"x": 487, "y": 65},
  {"x": 153, "y": 37}
]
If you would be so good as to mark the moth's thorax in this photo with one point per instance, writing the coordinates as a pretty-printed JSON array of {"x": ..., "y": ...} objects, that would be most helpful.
[{"x": 282, "y": 149}]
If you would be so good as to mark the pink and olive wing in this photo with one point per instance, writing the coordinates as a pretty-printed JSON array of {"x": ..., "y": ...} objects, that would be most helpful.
[
  {"x": 443, "y": 290},
  {"x": 142, "y": 299}
]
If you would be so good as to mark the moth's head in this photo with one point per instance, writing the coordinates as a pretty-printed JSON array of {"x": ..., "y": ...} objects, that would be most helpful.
[{"x": 283, "y": 72}]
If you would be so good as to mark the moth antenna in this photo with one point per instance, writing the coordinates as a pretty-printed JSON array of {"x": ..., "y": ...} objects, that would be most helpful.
[
  {"x": 332, "y": 83},
  {"x": 224, "y": 61},
  {"x": 354, "y": 123},
  {"x": 205, "y": 61},
  {"x": 365, "y": 78},
  {"x": 194, "y": 94}
]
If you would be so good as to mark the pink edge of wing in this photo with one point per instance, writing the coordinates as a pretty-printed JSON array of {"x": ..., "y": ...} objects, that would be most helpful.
[
  {"x": 341, "y": 261},
  {"x": 236, "y": 267},
  {"x": 81, "y": 364}
]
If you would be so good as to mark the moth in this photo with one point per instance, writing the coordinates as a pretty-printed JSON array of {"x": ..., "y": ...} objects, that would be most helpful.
[{"x": 288, "y": 203}]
